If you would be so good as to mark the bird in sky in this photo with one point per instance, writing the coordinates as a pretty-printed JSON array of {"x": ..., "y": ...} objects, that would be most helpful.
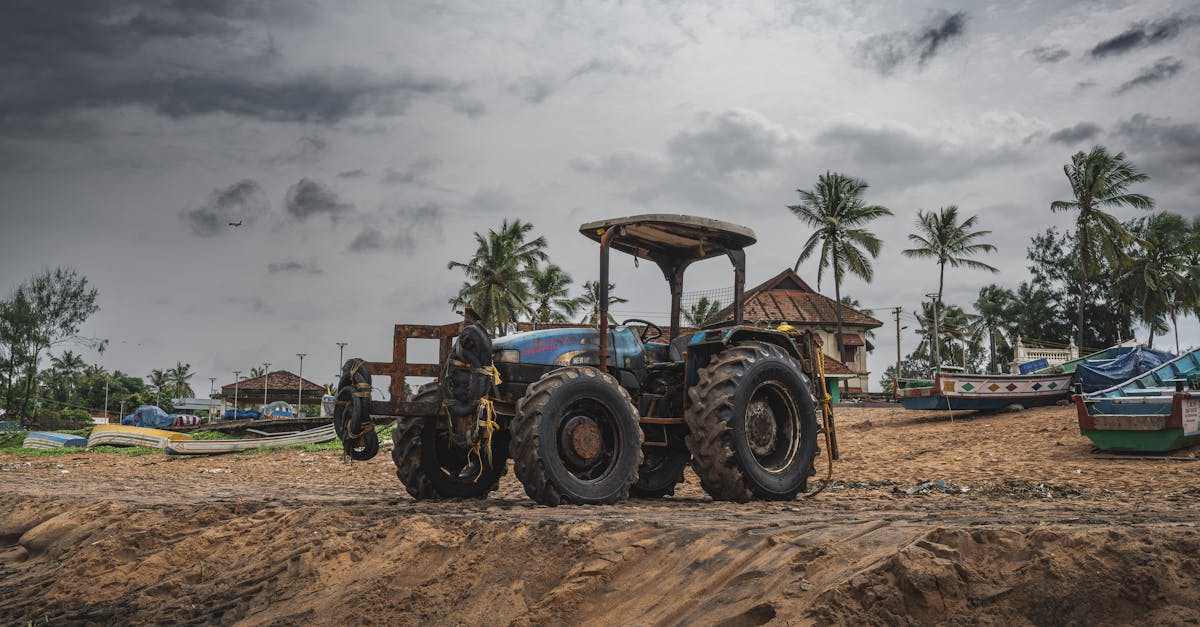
[{"x": 236, "y": 224}]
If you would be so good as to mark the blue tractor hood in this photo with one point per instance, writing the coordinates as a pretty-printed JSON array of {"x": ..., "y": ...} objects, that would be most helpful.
[{"x": 565, "y": 347}]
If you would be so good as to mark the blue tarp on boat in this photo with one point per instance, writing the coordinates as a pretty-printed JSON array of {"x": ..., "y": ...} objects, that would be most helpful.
[
  {"x": 1098, "y": 377},
  {"x": 241, "y": 414},
  {"x": 148, "y": 416}
]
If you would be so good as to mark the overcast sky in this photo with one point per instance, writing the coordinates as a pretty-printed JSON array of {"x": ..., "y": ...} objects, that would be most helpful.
[{"x": 361, "y": 144}]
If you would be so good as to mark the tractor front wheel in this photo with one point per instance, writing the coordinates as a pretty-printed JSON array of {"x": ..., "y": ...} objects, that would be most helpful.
[
  {"x": 429, "y": 464},
  {"x": 576, "y": 438},
  {"x": 753, "y": 425}
]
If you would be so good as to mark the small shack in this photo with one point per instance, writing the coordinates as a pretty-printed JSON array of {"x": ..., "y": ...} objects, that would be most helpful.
[{"x": 277, "y": 385}]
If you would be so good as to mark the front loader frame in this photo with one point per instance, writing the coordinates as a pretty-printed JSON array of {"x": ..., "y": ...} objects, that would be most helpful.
[{"x": 399, "y": 368}]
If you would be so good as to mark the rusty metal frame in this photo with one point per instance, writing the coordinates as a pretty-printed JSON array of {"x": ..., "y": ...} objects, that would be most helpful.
[{"x": 399, "y": 368}]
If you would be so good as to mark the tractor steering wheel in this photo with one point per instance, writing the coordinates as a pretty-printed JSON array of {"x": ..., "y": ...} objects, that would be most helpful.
[{"x": 647, "y": 326}]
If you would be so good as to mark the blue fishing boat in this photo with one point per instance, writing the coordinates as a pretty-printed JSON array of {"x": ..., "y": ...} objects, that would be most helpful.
[
  {"x": 1154, "y": 412},
  {"x": 51, "y": 439}
]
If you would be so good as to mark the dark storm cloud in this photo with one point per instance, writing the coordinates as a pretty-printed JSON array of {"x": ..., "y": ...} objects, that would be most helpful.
[
  {"x": 1162, "y": 69},
  {"x": 730, "y": 142},
  {"x": 414, "y": 172},
  {"x": 1162, "y": 140},
  {"x": 352, "y": 174},
  {"x": 1143, "y": 34},
  {"x": 181, "y": 59},
  {"x": 293, "y": 267},
  {"x": 399, "y": 230},
  {"x": 888, "y": 51},
  {"x": 308, "y": 198},
  {"x": 1049, "y": 54},
  {"x": 244, "y": 201},
  {"x": 307, "y": 150},
  {"x": 1081, "y": 132}
]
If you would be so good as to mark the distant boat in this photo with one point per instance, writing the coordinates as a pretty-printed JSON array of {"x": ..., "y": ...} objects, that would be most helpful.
[
  {"x": 124, "y": 435},
  {"x": 213, "y": 447},
  {"x": 1152, "y": 412},
  {"x": 990, "y": 392},
  {"x": 51, "y": 440}
]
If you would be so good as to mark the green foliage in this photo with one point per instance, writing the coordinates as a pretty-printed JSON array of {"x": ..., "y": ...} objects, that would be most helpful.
[
  {"x": 701, "y": 311},
  {"x": 549, "y": 288},
  {"x": 837, "y": 214},
  {"x": 590, "y": 302},
  {"x": 497, "y": 274}
]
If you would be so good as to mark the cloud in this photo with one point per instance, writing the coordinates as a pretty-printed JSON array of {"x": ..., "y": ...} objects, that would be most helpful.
[
  {"x": 1081, "y": 132},
  {"x": 182, "y": 60},
  {"x": 400, "y": 230},
  {"x": 727, "y": 143},
  {"x": 244, "y": 201},
  {"x": 886, "y": 52},
  {"x": 1049, "y": 54},
  {"x": 307, "y": 150},
  {"x": 1162, "y": 69},
  {"x": 414, "y": 172},
  {"x": 1143, "y": 34},
  {"x": 308, "y": 198},
  {"x": 352, "y": 174},
  {"x": 1164, "y": 142},
  {"x": 293, "y": 267}
]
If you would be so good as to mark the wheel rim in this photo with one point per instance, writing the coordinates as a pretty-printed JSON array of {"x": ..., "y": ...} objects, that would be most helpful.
[
  {"x": 587, "y": 440},
  {"x": 772, "y": 426}
]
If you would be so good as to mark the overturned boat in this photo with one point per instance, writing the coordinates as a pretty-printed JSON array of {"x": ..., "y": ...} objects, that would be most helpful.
[
  {"x": 215, "y": 447},
  {"x": 1154, "y": 412}
]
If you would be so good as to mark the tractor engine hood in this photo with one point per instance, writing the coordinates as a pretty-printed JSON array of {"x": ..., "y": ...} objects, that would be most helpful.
[{"x": 564, "y": 347}]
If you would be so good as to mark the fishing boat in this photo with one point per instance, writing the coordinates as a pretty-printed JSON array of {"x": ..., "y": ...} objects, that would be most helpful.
[
  {"x": 1153, "y": 412},
  {"x": 955, "y": 390},
  {"x": 124, "y": 435},
  {"x": 51, "y": 440},
  {"x": 214, "y": 447}
]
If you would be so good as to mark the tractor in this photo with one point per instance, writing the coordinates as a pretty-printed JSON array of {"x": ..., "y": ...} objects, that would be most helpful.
[{"x": 592, "y": 415}]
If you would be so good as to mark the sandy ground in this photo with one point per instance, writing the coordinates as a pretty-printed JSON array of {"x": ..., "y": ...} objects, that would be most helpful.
[{"x": 1031, "y": 527}]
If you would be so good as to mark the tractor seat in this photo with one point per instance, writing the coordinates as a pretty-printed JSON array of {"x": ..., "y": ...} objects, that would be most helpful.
[{"x": 679, "y": 346}]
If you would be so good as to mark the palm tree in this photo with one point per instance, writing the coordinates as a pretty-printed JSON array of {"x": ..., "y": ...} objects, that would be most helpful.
[
  {"x": 590, "y": 302},
  {"x": 994, "y": 305},
  {"x": 549, "y": 287},
  {"x": 1158, "y": 275},
  {"x": 940, "y": 236},
  {"x": 496, "y": 285},
  {"x": 836, "y": 211},
  {"x": 1099, "y": 180},
  {"x": 701, "y": 311},
  {"x": 159, "y": 380},
  {"x": 180, "y": 375}
]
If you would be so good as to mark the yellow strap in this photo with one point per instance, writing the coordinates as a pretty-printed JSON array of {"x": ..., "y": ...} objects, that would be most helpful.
[
  {"x": 826, "y": 412},
  {"x": 487, "y": 420}
]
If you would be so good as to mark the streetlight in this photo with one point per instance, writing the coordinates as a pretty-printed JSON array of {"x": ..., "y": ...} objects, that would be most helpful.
[
  {"x": 107, "y": 378},
  {"x": 266, "y": 372},
  {"x": 212, "y": 390},
  {"x": 937, "y": 349},
  {"x": 237, "y": 375},
  {"x": 300, "y": 383},
  {"x": 342, "y": 347}
]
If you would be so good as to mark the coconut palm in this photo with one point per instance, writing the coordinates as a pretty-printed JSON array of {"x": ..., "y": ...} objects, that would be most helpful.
[
  {"x": 180, "y": 376},
  {"x": 549, "y": 287},
  {"x": 160, "y": 381},
  {"x": 942, "y": 237},
  {"x": 1158, "y": 275},
  {"x": 1099, "y": 181},
  {"x": 590, "y": 302},
  {"x": 837, "y": 213},
  {"x": 994, "y": 305},
  {"x": 496, "y": 285},
  {"x": 701, "y": 311}
]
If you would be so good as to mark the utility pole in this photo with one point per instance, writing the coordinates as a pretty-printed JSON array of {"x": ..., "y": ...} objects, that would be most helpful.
[
  {"x": 106, "y": 380},
  {"x": 341, "y": 348},
  {"x": 300, "y": 384},
  {"x": 266, "y": 371},
  {"x": 937, "y": 347},
  {"x": 212, "y": 389},
  {"x": 237, "y": 375},
  {"x": 896, "y": 375}
]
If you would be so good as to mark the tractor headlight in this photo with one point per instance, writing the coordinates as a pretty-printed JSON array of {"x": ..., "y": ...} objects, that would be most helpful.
[
  {"x": 585, "y": 360},
  {"x": 509, "y": 356}
]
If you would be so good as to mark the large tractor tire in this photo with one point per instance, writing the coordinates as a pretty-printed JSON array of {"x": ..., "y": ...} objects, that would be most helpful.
[
  {"x": 352, "y": 412},
  {"x": 429, "y": 465},
  {"x": 576, "y": 439},
  {"x": 753, "y": 425},
  {"x": 660, "y": 472}
]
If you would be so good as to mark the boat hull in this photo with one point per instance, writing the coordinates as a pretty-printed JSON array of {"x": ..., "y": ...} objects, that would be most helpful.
[
  {"x": 1147, "y": 413},
  {"x": 987, "y": 392}
]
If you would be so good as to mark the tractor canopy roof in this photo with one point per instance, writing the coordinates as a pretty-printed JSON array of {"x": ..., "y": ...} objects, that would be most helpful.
[{"x": 672, "y": 238}]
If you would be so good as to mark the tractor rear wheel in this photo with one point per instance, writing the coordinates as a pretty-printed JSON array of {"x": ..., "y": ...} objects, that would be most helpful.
[
  {"x": 576, "y": 438},
  {"x": 428, "y": 464},
  {"x": 753, "y": 425}
]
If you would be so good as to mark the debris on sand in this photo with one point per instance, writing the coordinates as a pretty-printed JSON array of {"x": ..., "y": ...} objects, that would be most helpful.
[{"x": 946, "y": 486}]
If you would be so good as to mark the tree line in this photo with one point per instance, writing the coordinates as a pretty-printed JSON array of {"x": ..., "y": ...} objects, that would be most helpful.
[{"x": 45, "y": 313}]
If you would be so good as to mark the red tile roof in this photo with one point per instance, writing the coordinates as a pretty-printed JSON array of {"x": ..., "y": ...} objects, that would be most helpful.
[
  {"x": 835, "y": 367},
  {"x": 786, "y": 297},
  {"x": 278, "y": 380}
]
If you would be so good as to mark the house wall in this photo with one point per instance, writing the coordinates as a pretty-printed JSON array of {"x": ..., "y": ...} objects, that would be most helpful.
[{"x": 828, "y": 336}]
